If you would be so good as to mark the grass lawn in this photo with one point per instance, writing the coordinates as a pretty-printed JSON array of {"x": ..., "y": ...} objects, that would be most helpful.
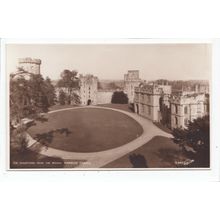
[
  {"x": 160, "y": 152},
  {"x": 86, "y": 130}
]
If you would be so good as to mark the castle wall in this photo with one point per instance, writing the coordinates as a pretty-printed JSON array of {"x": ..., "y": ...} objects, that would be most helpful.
[{"x": 104, "y": 97}]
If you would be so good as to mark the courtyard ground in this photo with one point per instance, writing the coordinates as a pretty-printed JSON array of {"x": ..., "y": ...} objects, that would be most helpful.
[
  {"x": 159, "y": 152},
  {"x": 86, "y": 130},
  {"x": 100, "y": 159},
  {"x": 153, "y": 149}
]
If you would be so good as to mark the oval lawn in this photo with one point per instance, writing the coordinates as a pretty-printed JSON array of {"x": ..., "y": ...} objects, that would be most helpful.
[{"x": 86, "y": 130}]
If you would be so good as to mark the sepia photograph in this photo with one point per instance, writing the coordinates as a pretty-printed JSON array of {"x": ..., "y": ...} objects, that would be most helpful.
[
  {"x": 109, "y": 106},
  {"x": 109, "y": 110}
]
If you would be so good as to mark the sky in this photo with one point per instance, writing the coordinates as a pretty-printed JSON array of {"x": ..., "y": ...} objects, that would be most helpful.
[{"x": 112, "y": 61}]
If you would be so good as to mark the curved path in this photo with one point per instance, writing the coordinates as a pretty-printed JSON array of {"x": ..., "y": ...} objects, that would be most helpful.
[{"x": 101, "y": 158}]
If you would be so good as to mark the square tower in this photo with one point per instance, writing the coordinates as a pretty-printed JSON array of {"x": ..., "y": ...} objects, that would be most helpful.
[
  {"x": 186, "y": 107},
  {"x": 88, "y": 89},
  {"x": 131, "y": 80}
]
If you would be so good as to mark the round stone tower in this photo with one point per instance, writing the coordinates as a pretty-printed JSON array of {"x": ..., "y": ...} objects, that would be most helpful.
[{"x": 30, "y": 65}]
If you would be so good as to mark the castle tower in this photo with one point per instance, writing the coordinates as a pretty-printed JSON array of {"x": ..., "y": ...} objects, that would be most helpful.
[
  {"x": 131, "y": 80},
  {"x": 88, "y": 89},
  {"x": 30, "y": 65},
  {"x": 186, "y": 107},
  {"x": 148, "y": 98}
]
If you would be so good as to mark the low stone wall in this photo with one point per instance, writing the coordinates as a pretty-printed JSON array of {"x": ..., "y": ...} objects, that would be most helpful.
[{"x": 104, "y": 97}]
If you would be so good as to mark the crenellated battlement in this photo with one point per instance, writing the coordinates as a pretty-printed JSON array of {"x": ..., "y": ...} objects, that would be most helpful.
[
  {"x": 186, "y": 98},
  {"x": 153, "y": 89},
  {"x": 29, "y": 60},
  {"x": 30, "y": 65}
]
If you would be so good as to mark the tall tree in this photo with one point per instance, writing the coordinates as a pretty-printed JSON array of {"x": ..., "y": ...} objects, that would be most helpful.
[
  {"x": 62, "y": 97},
  {"x": 197, "y": 138},
  {"x": 70, "y": 81},
  {"x": 39, "y": 93},
  {"x": 20, "y": 104},
  {"x": 28, "y": 98},
  {"x": 50, "y": 91}
]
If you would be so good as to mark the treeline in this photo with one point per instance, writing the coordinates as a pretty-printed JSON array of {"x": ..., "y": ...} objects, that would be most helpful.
[
  {"x": 110, "y": 85},
  {"x": 30, "y": 97},
  {"x": 195, "y": 141},
  {"x": 179, "y": 84},
  {"x": 68, "y": 86}
]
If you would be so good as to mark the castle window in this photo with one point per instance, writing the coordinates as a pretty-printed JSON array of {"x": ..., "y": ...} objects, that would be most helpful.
[
  {"x": 176, "y": 109},
  {"x": 176, "y": 120},
  {"x": 185, "y": 110},
  {"x": 149, "y": 110},
  {"x": 142, "y": 109},
  {"x": 199, "y": 108},
  {"x": 142, "y": 98}
]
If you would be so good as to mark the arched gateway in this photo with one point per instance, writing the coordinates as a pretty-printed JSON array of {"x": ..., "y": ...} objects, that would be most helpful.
[{"x": 89, "y": 102}]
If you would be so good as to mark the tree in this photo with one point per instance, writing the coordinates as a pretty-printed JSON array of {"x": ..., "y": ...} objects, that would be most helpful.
[
  {"x": 39, "y": 93},
  {"x": 28, "y": 99},
  {"x": 20, "y": 105},
  {"x": 18, "y": 139},
  {"x": 50, "y": 91},
  {"x": 197, "y": 138},
  {"x": 112, "y": 85},
  {"x": 62, "y": 97},
  {"x": 70, "y": 81},
  {"x": 119, "y": 97}
]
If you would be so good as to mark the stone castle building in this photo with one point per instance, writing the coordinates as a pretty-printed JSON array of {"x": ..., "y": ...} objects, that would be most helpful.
[
  {"x": 131, "y": 80},
  {"x": 88, "y": 89},
  {"x": 147, "y": 100},
  {"x": 186, "y": 107},
  {"x": 183, "y": 107}
]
